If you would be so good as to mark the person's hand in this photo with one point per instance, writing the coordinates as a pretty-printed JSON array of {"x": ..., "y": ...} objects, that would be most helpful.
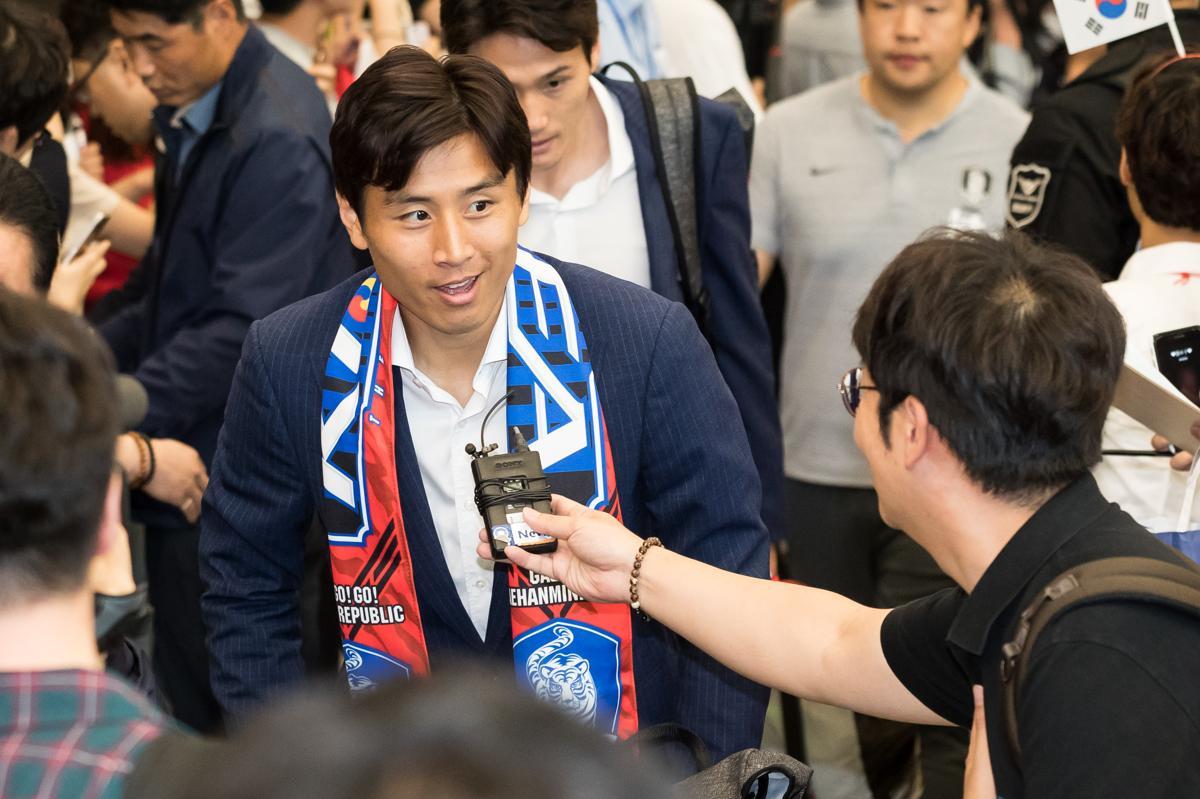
[
  {"x": 179, "y": 476},
  {"x": 325, "y": 74},
  {"x": 1180, "y": 461},
  {"x": 341, "y": 49},
  {"x": 978, "y": 782},
  {"x": 594, "y": 556},
  {"x": 71, "y": 281},
  {"x": 91, "y": 161}
]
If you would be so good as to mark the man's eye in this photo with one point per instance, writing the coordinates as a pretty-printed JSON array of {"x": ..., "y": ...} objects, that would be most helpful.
[
  {"x": 479, "y": 206},
  {"x": 554, "y": 84},
  {"x": 417, "y": 216}
]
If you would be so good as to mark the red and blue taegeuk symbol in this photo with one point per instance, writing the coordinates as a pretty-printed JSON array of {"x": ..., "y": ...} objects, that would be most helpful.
[{"x": 1111, "y": 9}]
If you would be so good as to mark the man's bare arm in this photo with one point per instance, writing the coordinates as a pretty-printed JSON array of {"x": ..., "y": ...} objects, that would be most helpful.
[
  {"x": 805, "y": 641},
  {"x": 766, "y": 265}
]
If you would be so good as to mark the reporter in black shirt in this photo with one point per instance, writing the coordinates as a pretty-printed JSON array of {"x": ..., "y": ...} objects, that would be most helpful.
[{"x": 989, "y": 368}]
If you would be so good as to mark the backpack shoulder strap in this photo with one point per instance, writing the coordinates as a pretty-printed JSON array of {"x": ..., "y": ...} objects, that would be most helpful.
[
  {"x": 673, "y": 119},
  {"x": 1158, "y": 582}
]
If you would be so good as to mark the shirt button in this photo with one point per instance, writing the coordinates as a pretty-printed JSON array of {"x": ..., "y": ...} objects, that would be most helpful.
[{"x": 480, "y": 584}]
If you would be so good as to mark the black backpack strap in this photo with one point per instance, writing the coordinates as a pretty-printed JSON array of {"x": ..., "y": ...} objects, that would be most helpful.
[
  {"x": 1158, "y": 582},
  {"x": 673, "y": 119}
]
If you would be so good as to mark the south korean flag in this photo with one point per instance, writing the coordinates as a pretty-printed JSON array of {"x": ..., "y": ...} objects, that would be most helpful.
[{"x": 1088, "y": 23}]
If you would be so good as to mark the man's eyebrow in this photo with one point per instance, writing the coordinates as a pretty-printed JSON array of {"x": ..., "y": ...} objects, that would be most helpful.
[
  {"x": 400, "y": 198},
  {"x": 396, "y": 198},
  {"x": 490, "y": 183},
  {"x": 145, "y": 38},
  {"x": 556, "y": 73}
]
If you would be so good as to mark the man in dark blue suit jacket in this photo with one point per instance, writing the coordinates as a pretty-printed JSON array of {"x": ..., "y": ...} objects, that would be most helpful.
[
  {"x": 587, "y": 194},
  {"x": 432, "y": 164},
  {"x": 246, "y": 224}
]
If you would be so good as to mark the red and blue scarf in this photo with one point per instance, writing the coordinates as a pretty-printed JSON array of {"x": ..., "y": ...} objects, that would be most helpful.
[{"x": 568, "y": 651}]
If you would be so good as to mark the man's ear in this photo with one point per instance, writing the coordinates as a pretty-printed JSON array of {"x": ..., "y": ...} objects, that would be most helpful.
[
  {"x": 112, "y": 522},
  {"x": 524, "y": 208},
  {"x": 351, "y": 221},
  {"x": 8, "y": 140},
  {"x": 910, "y": 424},
  {"x": 974, "y": 24},
  {"x": 221, "y": 12},
  {"x": 594, "y": 56},
  {"x": 1125, "y": 173}
]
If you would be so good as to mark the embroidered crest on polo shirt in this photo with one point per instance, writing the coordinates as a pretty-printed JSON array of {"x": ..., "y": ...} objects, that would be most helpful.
[{"x": 1026, "y": 193}]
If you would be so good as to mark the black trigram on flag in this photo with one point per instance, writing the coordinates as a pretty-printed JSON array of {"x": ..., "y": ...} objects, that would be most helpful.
[
  {"x": 1094, "y": 26},
  {"x": 1140, "y": 10}
]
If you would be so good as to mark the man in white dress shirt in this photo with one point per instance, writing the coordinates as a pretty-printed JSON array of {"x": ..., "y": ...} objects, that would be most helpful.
[
  {"x": 1159, "y": 288},
  {"x": 596, "y": 196}
]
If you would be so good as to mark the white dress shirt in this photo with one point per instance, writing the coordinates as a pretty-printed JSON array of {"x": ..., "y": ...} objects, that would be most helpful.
[
  {"x": 598, "y": 223},
  {"x": 441, "y": 428},
  {"x": 1154, "y": 296}
]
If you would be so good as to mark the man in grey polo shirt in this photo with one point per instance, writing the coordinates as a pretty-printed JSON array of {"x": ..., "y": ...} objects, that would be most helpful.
[{"x": 843, "y": 177}]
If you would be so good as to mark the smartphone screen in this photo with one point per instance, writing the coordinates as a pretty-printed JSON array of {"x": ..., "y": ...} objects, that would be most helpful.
[{"x": 1178, "y": 355}]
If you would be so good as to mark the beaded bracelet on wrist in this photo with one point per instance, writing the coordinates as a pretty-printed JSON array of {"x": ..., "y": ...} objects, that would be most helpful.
[
  {"x": 634, "y": 601},
  {"x": 146, "y": 451}
]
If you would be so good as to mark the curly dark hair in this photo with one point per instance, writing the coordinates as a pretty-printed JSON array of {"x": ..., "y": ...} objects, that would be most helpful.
[{"x": 1159, "y": 127}]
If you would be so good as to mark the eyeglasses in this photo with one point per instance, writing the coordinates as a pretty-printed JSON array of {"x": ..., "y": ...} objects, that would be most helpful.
[{"x": 851, "y": 388}]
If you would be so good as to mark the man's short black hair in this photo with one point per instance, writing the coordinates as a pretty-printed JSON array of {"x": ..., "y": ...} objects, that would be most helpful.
[
  {"x": 1159, "y": 127},
  {"x": 971, "y": 5},
  {"x": 560, "y": 25},
  {"x": 58, "y": 423},
  {"x": 172, "y": 12},
  {"x": 26, "y": 205},
  {"x": 89, "y": 28},
  {"x": 279, "y": 7},
  {"x": 1013, "y": 348},
  {"x": 34, "y": 68},
  {"x": 407, "y": 103}
]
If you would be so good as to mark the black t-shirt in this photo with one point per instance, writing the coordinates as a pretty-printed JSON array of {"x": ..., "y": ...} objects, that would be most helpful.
[
  {"x": 1064, "y": 186},
  {"x": 1110, "y": 704}
]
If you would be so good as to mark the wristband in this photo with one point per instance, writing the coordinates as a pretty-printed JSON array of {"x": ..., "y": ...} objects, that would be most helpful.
[
  {"x": 146, "y": 452},
  {"x": 634, "y": 601}
]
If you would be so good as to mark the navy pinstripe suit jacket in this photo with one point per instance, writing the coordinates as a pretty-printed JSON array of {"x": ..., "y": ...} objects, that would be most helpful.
[{"x": 683, "y": 467}]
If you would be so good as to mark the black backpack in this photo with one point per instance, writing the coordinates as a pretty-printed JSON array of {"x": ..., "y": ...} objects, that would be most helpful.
[{"x": 673, "y": 118}]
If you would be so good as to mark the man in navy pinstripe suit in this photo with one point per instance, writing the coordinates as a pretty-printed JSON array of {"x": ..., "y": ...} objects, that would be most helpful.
[{"x": 432, "y": 164}]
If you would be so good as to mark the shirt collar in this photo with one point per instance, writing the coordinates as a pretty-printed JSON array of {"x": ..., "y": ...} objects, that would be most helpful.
[
  {"x": 197, "y": 117},
  {"x": 1066, "y": 514},
  {"x": 620, "y": 155},
  {"x": 496, "y": 350},
  {"x": 1173, "y": 258},
  {"x": 885, "y": 125},
  {"x": 296, "y": 50}
]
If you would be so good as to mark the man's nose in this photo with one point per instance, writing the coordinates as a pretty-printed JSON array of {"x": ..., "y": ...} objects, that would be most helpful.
[
  {"x": 909, "y": 22},
  {"x": 452, "y": 245}
]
